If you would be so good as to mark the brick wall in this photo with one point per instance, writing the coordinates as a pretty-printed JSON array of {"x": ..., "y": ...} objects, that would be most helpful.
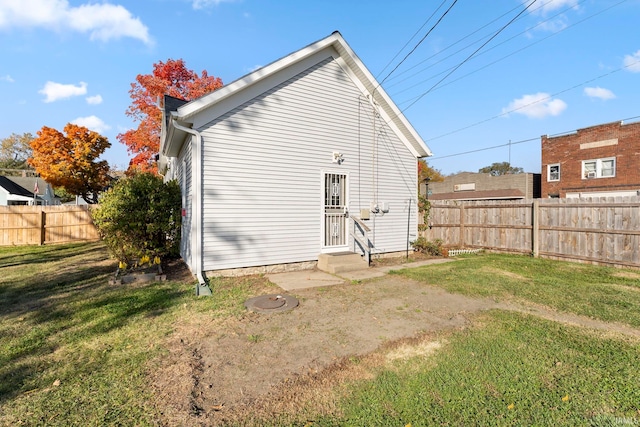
[{"x": 611, "y": 140}]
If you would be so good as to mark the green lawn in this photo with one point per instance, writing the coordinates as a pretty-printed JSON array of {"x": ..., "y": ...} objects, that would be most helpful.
[
  {"x": 75, "y": 350},
  {"x": 603, "y": 293},
  {"x": 509, "y": 369}
]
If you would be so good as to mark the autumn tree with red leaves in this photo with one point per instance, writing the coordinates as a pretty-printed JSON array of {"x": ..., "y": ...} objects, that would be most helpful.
[
  {"x": 168, "y": 78},
  {"x": 71, "y": 161},
  {"x": 425, "y": 171}
]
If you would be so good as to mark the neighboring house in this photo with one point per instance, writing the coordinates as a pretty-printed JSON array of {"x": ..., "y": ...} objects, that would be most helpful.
[
  {"x": 597, "y": 161},
  {"x": 484, "y": 186},
  {"x": 19, "y": 190},
  {"x": 275, "y": 166}
]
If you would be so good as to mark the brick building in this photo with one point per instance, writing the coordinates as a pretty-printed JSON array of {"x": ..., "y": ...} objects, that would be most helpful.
[
  {"x": 484, "y": 186},
  {"x": 602, "y": 160}
]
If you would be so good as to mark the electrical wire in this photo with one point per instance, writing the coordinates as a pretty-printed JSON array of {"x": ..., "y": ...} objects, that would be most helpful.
[
  {"x": 505, "y": 113},
  {"x": 412, "y": 37},
  {"x": 469, "y": 57},
  {"x": 517, "y": 142},
  {"x": 480, "y": 54},
  {"x": 420, "y": 42},
  {"x": 506, "y": 56},
  {"x": 441, "y": 51}
]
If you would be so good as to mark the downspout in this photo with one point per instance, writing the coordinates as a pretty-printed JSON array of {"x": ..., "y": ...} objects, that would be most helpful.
[{"x": 196, "y": 228}]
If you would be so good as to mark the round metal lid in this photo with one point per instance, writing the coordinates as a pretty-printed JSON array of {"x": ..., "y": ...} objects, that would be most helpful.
[{"x": 271, "y": 303}]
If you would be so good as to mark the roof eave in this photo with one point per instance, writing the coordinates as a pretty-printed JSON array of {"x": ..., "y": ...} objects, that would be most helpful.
[
  {"x": 174, "y": 139},
  {"x": 189, "y": 110}
]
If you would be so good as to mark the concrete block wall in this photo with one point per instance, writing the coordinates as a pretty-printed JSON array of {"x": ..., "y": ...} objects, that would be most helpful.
[{"x": 526, "y": 183}]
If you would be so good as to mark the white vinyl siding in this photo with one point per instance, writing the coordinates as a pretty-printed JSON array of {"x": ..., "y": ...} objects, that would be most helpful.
[
  {"x": 183, "y": 175},
  {"x": 263, "y": 195}
]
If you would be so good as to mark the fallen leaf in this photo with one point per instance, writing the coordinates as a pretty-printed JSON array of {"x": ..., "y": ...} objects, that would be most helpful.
[
  {"x": 511, "y": 406},
  {"x": 56, "y": 383},
  {"x": 565, "y": 398}
]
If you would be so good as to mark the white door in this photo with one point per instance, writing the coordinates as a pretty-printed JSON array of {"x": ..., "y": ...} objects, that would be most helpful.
[{"x": 335, "y": 212}]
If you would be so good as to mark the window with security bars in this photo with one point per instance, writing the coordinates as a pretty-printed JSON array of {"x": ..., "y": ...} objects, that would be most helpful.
[{"x": 553, "y": 172}]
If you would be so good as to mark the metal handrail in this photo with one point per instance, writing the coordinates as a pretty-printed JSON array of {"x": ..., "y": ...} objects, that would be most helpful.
[{"x": 361, "y": 239}]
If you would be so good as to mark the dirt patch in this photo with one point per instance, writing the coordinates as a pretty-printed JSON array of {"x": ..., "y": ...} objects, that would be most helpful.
[
  {"x": 499, "y": 272},
  {"x": 627, "y": 275},
  {"x": 259, "y": 366},
  {"x": 219, "y": 372}
]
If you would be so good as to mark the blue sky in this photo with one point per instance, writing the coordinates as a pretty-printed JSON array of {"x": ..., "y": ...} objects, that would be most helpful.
[{"x": 559, "y": 66}]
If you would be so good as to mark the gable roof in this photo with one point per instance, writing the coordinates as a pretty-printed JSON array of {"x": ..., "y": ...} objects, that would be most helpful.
[
  {"x": 13, "y": 188},
  {"x": 341, "y": 51}
]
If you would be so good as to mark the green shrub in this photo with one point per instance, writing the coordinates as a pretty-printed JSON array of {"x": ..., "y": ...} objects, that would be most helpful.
[
  {"x": 140, "y": 216},
  {"x": 425, "y": 246}
]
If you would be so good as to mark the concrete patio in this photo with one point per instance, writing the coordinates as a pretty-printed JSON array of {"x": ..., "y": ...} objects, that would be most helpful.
[{"x": 315, "y": 278}]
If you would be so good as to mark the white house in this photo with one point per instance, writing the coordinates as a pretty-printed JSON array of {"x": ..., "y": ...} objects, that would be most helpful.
[
  {"x": 282, "y": 164},
  {"x": 14, "y": 191}
]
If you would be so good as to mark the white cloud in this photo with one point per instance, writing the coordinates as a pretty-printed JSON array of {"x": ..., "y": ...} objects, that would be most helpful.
[
  {"x": 103, "y": 21},
  {"x": 553, "y": 25},
  {"x": 202, "y": 4},
  {"x": 549, "y": 6},
  {"x": 599, "y": 92},
  {"x": 55, "y": 91},
  {"x": 632, "y": 62},
  {"x": 536, "y": 106},
  {"x": 552, "y": 13},
  {"x": 7, "y": 78},
  {"x": 92, "y": 123},
  {"x": 94, "y": 100}
]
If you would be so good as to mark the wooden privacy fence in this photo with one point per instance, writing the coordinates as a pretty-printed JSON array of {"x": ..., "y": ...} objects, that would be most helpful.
[
  {"x": 602, "y": 231},
  {"x": 38, "y": 225}
]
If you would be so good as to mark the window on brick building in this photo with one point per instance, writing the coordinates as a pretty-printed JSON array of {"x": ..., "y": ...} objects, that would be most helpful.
[
  {"x": 553, "y": 172},
  {"x": 599, "y": 168}
]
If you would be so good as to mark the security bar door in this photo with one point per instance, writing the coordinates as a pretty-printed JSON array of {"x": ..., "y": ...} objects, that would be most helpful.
[{"x": 335, "y": 211}]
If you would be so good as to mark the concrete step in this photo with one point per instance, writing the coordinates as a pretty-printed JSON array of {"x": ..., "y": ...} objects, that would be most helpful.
[{"x": 341, "y": 262}]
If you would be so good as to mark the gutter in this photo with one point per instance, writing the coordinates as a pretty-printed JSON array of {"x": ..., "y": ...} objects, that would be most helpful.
[{"x": 196, "y": 215}]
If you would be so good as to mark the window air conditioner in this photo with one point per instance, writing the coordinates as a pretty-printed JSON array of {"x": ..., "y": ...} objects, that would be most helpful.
[{"x": 591, "y": 174}]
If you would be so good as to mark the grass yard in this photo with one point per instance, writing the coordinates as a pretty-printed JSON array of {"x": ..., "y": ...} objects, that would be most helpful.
[
  {"x": 509, "y": 369},
  {"x": 604, "y": 293},
  {"x": 75, "y": 350}
]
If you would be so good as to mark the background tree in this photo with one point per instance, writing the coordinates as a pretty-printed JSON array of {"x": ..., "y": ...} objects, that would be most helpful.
[
  {"x": 140, "y": 216},
  {"x": 171, "y": 78},
  {"x": 425, "y": 171},
  {"x": 15, "y": 150},
  {"x": 500, "y": 168},
  {"x": 71, "y": 161}
]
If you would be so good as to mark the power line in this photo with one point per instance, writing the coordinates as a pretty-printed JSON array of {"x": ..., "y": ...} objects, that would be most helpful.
[
  {"x": 514, "y": 143},
  {"x": 485, "y": 149},
  {"x": 470, "y": 56},
  {"x": 412, "y": 37},
  {"x": 452, "y": 45},
  {"x": 480, "y": 54},
  {"x": 505, "y": 113},
  {"x": 421, "y": 40},
  {"x": 510, "y": 54}
]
